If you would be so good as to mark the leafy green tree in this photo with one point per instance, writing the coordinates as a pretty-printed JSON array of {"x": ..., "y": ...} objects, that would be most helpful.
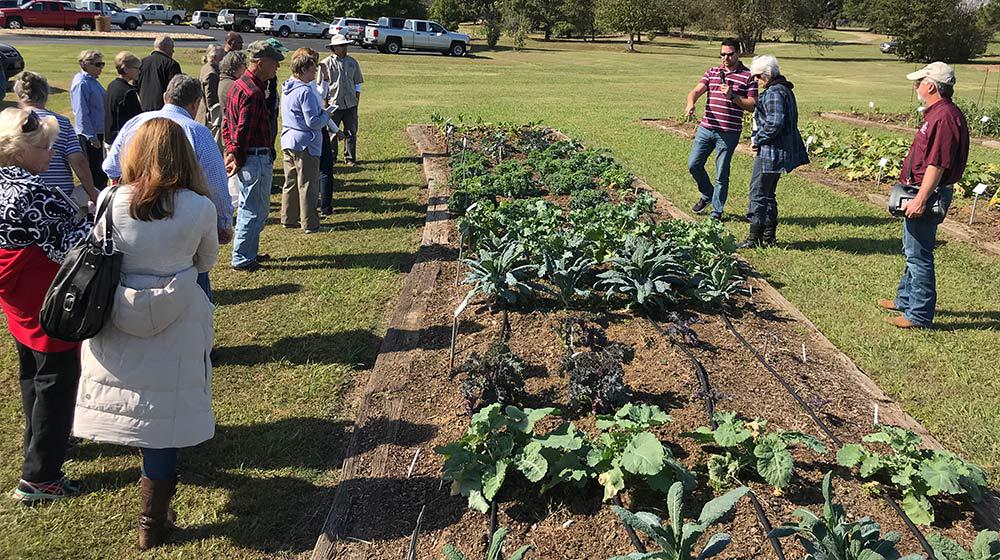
[
  {"x": 929, "y": 30},
  {"x": 632, "y": 17},
  {"x": 449, "y": 13}
]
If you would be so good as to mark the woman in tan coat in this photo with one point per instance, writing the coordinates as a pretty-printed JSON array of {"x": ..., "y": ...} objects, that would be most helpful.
[{"x": 147, "y": 375}]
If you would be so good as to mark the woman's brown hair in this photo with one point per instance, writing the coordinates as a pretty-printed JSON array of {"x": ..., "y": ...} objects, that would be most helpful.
[{"x": 158, "y": 161}]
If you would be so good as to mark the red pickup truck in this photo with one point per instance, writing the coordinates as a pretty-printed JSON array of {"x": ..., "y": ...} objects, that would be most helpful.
[{"x": 47, "y": 13}]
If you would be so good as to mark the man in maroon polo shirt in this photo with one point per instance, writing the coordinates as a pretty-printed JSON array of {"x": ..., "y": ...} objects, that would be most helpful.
[
  {"x": 935, "y": 162},
  {"x": 730, "y": 92}
]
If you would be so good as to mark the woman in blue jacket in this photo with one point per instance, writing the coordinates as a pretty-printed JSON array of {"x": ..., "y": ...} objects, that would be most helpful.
[{"x": 777, "y": 146}]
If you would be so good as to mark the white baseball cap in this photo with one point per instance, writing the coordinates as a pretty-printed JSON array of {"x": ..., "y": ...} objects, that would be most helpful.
[{"x": 937, "y": 71}]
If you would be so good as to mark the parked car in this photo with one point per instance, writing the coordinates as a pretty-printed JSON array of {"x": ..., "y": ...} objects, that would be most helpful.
[
  {"x": 204, "y": 20},
  {"x": 263, "y": 22},
  {"x": 47, "y": 13},
  {"x": 124, "y": 19},
  {"x": 237, "y": 19},
  {"x": 417, "y": 34},
  {"x": 284, "y": 25},
  {"x": 352, "y": 28},
  {"x": 159, "y": 12},
  {"x": 12, "y": 63},
  {"x": 387, "y": 22},
  {"x": 888, "y": 46},
  {"x": 10, "y": 4}
]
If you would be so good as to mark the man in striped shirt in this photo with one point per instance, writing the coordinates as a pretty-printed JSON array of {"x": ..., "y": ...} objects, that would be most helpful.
[{"x": 730, "y": 92}]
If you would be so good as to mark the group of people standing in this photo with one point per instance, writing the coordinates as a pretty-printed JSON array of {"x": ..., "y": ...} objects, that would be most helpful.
[
  {"x": 180, "y": 151},
  {"x": 934, "y": 163}
]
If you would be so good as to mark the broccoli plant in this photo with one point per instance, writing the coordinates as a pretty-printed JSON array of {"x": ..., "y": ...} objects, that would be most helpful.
[
  {"x": 566, "y": 273},
  {"x": 499, "y": 275},
  {"x": 746, "y": 444},
  {"x": 494, "y": 552},
  {"x": 478, "y": 463},
  {"x": 917, "y": 473},
  {"x": 676, "y": 539},
  {"x": 532, "y": 222},
  {"x": 719, "y": 284},
  {"x": 833, "y": 537},
  {"x": 496, "y": 377},
  {"x": 627, "y": 450},
  {"x": 646, "y": 273},
  {"x": 985, "y": 547},
  {"x": 596, "y": 378}
]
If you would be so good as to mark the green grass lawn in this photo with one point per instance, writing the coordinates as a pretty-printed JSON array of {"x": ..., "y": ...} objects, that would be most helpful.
[{"x": 294, "y": 337}]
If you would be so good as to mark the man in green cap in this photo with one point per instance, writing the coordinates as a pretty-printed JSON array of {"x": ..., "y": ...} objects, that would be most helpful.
[{"x": 249, "y": 146}]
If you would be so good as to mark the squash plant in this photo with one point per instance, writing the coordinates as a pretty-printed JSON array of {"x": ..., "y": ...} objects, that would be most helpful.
[
  {"x": 677, "y": 539},
  {"x": 832, "y": 536},
  {"x": 918, "y": 473},
  {"x": 749, "y": 444},
  {"x": 985, "y": 547}
]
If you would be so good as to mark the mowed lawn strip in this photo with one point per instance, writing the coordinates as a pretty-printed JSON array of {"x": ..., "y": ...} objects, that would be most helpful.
[{"x": 292, "y": 337}]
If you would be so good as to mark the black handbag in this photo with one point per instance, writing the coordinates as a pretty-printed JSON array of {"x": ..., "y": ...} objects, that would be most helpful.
[
  {"x": 79, "y": 300},
  {"x": 901, "y": 194}
]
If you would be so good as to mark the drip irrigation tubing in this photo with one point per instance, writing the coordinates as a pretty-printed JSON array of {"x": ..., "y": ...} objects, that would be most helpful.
[
  {"x": 709, "y": 399},
  {"x": 914, "y": 530},
  {"x": 628, "y": 529}
]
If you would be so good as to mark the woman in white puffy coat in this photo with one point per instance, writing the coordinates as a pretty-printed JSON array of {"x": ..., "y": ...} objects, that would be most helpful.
[{"x": 147, "y": 375}]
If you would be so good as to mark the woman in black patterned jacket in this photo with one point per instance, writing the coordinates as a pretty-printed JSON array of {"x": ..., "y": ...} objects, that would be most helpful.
[{"x": 38, "y": 226}]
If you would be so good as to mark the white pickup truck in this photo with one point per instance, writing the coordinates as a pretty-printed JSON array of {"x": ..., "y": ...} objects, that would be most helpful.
[
  {"x": 159, "y": 12},
  {"x": 283, "y": 25},
  {"x": 121, "y": 18},
  {"x": 417, "y": 34}
]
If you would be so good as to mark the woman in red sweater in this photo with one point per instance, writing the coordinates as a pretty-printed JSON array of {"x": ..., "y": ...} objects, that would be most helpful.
[{"x": 38, "y": 226}]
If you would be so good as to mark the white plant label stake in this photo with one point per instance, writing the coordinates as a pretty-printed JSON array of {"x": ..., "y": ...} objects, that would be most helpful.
[
  {"x": 979, "y": 190},
  {"x": 454, "y": 333},
  {"x": 875, "y": 416},
  {"x": 810, "y": 141},
  {"x": 881, "y": 171}
]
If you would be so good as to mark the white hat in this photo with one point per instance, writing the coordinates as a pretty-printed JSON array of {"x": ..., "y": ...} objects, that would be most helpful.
[
  {"x": 338, "y": 40},
  {"x": 937, "y": 71}
]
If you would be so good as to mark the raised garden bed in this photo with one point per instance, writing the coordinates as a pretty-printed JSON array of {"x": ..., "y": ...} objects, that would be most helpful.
[
  {"x": 983, "y": 232},
  {"x": 393, "y": 501},
  {"x": 895, "y": 122}
]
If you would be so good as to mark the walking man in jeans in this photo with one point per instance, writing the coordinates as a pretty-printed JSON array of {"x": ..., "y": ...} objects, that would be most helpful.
[
  {"x": 730, "y": 92},
  {"x": 249, "y": 144},
  {"x": 935, "y": 162}
]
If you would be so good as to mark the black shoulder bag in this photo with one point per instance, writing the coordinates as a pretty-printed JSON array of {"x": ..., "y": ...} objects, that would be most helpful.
[
  {"x": 901, "y": 194},
  {"x": 79, "y": 300}
]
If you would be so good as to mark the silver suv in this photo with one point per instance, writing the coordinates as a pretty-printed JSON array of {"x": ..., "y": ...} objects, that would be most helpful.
[{"x": 352, "y": 28}]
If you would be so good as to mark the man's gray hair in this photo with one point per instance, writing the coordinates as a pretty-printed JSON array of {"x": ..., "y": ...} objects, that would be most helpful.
[
  {"x": 231, "y": 63},
  {"x": 765, "y": 65},
  {"x": 32, "y": 88},
  {"x": 183, "y": 90},
  {"x": 162, "y": 41},
  {"x": 211, "y": 52},
  {"x": 945, "y": 89}
]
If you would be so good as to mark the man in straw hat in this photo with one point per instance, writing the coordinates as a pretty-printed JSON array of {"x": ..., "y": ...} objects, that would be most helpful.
[{"x": 343, "y": 74}]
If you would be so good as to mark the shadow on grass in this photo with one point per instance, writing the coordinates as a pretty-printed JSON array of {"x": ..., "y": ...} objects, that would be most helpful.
[
  {"x": 378, "y": 204},
  {"x": 398, "y": 261},
  {"x": 852, "y": 245},
  {"x": 354, "y": 347},
  {"x": 968, "y": 320},
  {"x": 236, "y": 296},
  {"x": 858, "y": 221},
  {"x": 364, "y": 185}
]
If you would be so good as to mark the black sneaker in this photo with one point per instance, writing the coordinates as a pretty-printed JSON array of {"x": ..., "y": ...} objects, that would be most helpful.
[
  {"x": 700, "y": 205},
  {"x": 34, "y": 492},
  {"x": 263, "y": 257},
  {"x": 249, "y": 266}
]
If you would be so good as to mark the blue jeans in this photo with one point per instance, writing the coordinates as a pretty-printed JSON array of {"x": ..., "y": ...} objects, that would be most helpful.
[
  {"x": 254, "y": 181},
  {"x": 159, "y": 464},
  {"x": 763, "y": 205},
  {"x": 916, "y": 295},
  {"x": 326, "y": 160},
  {"x": 205, "y": 284},
  {"x": 723, "y": 144}
]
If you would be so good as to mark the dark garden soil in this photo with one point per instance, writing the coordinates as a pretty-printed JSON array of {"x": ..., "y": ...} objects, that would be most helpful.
[
  {"x": 383, "y": 508},
  {"x": 984, "y": 232}
]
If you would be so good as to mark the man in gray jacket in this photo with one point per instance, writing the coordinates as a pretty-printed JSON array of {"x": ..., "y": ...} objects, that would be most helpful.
[{"x": 343, "y": 74}]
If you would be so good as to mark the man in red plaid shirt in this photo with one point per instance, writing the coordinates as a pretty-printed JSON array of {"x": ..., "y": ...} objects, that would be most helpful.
[{"x": 247, "y": 136}]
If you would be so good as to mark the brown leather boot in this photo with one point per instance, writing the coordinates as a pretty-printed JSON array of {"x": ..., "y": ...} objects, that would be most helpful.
[{"x": 154, "y": 521}]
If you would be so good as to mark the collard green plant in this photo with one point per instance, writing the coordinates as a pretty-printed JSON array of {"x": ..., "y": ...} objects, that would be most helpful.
[
  {"x": 557, "y": 458},
  {"x": 496, "y": 377},
  {"x": 676, "y": 539},
  {"x": 495, "y": 551},
  {"x": 566, "y": 273},
  {"x": 596, "y": 378},
  {"x": 748, "y": 444},
  {"x": 627, "y": 451},
  {"x": 718, "y": 284},
  {"x": 918, "y": 473},
  {"x": 985, "y": 547},
  {"x": 607, "y": 226},
  {"x": 532, "y": 222},
  {"x": 478, "y": 463},
  {"x": 702, "y": 242},
  {"x": 646, "y": 273},
  {"x": 832, "y": 536}
]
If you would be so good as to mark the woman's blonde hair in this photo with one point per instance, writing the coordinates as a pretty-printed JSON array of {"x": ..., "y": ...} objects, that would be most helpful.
[
  {"x": 302, "y": 60},
  {"x": 14, "y": 141},
  {"x": 89, "y": 56},
  {"x": 31, "y": 88},
  {"x": 125, "y": 59},
  {"x": 158, "y": 161}
]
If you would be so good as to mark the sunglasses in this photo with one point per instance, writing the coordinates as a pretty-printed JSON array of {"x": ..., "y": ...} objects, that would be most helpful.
[
  {"x": 31, "y": 124},
  {"x": 98, "y": 64},
  {"x": 727, "y": 54}
]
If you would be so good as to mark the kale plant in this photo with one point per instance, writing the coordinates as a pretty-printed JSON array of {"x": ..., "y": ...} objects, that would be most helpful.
[
  {"x": 512, "y": 179},
  {"x": 918, "y": 473},
  {"x": 596, "y": 379},
  {"x": 500, "y": 275},
  {"x": 566, "y": 273},
  {"x": 494, "y": 552},
  {"x": 467, "y": 164},
  {"x": 985, "y": 547},
  {"x": 833, "y": 537},
  {"x": 719, "y": 283},
  {"x": 749, "y": 444},
  {"x": 588, "y": 199},
  {"x": 496, "y": 377},
  {"x": 646, "y": 273},
  {"x": 470, "y": 191},
  {"x": 676, "y": 539}
]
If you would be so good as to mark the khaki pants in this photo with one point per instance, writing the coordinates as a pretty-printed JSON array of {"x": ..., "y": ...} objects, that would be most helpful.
[{"x": 301, "y": 192}]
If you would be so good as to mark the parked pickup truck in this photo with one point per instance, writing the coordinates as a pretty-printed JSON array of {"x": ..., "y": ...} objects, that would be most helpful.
[
  {"x": 47, "y": 13},
  {"x": 119, "y": 17},
  {"x": 263, "y": 22},
  {"x": 417, "y": 34},
  {"x": 283, "y": 25},
  {"x": 159, "y": 12},
  {"x": 237, "y": 19}
]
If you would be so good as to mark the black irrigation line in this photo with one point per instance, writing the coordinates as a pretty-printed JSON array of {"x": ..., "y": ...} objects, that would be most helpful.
[
  {"x": 709, "y": 399},
  {"x": 917, "y": 534}
]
